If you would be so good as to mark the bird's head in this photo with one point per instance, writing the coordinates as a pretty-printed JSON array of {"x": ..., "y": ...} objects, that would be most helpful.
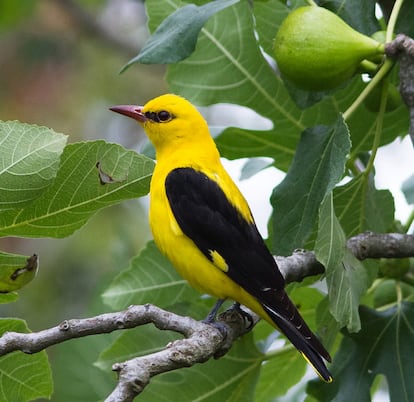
[{"x": 168, "y": 120}]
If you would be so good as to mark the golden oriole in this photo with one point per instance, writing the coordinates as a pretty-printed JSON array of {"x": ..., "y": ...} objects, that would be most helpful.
[{"x": 203, "y": 224}]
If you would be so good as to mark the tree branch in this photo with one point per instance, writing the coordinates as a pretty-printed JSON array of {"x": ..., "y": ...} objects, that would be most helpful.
[
  {"x": 402, "y": 47},
  {"x": 201, "y": 341},
  {"x": 299, "y": 265},
  {"x": 384, "y": 245}
]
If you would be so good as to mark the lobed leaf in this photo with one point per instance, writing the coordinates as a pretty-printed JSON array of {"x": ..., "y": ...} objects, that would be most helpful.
[
  {"x": 345, "y": 276},
  {"x": 381, "y": 347},
  {"x": 235, "y": 70},
  {"x": 361, "y": 207},
  {"x": 176, "y": 36},
  {"x": 331, "y": 241},
  {"x": 29, "y": 161},
  {"x": 318, "y": 165},
  {"x": 80, "y": 189},
  {"x": 279, "y": 375},
  {"x": 150, "y": 278},
  {"x": 347, "y": 283},
  {"x": 23, "y": 377},
  {"x": 360, "y": 15}
]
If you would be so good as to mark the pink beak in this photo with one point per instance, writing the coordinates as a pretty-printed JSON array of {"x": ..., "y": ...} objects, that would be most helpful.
[{"x": 135, "y": 112}]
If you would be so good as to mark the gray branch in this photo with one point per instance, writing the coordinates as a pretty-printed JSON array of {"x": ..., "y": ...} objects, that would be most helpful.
[
  {"x": 201, "y": 341},
  {"x": 402, "y": 47},
  {"x": 384, "y": 245}
]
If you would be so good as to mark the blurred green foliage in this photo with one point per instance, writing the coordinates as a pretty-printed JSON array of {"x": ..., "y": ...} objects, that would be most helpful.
[
  {"x": 59, "y": 70},
  {"x": 56, "y": 73}
]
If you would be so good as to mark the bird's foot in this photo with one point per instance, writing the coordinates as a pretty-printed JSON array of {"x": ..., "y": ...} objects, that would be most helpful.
[
  {"x": 211, "y": 319},
  {"x": 248, "y": 319}
]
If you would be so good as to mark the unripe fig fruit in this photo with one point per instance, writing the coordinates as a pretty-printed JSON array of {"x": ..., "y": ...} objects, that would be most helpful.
[
  {"x": 394, "y": 267},
  {"x": 318, "y": 51}
]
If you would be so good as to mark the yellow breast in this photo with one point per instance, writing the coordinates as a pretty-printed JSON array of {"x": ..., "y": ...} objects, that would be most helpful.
[{"x": 188, "y": 260}]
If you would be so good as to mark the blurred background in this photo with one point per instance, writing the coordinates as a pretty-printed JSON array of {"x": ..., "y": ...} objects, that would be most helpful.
[{"x": 59, "y": 67}]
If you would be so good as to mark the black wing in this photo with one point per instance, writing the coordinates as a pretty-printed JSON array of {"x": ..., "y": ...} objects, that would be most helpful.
[{"x": 205, "y": 215}]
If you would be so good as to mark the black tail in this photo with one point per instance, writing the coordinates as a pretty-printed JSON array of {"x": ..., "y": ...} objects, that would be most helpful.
[{"x": 285, "y": 315}]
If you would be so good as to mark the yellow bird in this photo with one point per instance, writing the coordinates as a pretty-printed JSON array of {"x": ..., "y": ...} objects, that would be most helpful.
[{"x": 202, "y": 223}]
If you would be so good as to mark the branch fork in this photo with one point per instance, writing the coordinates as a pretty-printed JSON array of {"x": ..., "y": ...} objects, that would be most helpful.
[{"x": 201, "y": 341}]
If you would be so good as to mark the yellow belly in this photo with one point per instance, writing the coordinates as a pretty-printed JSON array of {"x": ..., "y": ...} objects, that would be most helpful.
[{"x": 187, "y": 259}]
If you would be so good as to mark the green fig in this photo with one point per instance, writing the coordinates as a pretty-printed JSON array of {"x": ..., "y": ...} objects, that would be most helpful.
[
  {"x": 394, "y": 267},
  {"x": 317, "y": 51}
]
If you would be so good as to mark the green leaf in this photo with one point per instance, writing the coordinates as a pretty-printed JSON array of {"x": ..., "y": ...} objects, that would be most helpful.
[
  {"x": 16, "y": 271},
  {"x": 70, "y": 384},
  {"x": 253, "y": 166},
  {"x": 234, "y": 70},
  {"x": 359, "y": 206},
  {"x": 328, "y": 327},
  {"x": 383, "y": 346},
  {"x": 345, "y": 275},
  {"x": 29, "y": 161},
  {"x": 232, "y": 378},
  {"x": 81, "y": 189},
  {"x": 360, "y": 15},
  {"x": 362, "y": 125},
  {"x": 8, "y": 297},
  {"x": 331, "y": 241},
  {"x": 318, "y": 165},
  {"x": 235, "y": 143},
  {"x": 404, "y": 22},
  {"x": 269, "y": 15},
  {"x": 23, "y": 377},
  {"x": 176, "y": 37},
  {"x": 347, "y": 282},
  {"x": 150, "y": 278},
  {"x": 279, "y": 375}
]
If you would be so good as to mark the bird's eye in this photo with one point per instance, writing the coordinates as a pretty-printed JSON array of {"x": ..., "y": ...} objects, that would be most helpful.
[{"x": 164, "y": 115}]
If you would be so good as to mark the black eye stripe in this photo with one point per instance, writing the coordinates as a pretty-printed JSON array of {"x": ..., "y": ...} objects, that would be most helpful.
[
  {"x": 159, "y": 117},
  {"x": 151, "y": 116}
]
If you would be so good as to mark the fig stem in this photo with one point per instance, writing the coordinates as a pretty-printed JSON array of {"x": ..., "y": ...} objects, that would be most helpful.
[
  {"x": 385, "y": 68},
  {"x": 382, "y": 72},
  {"x": 393, "y": 20},
  {"x": 311, "y": 3},
  {"x": 378, "y": 127}
]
